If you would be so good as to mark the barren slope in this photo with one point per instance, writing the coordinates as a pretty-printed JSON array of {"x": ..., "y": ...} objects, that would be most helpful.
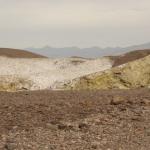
[
  {"x": 130, "y": 56},
  {"x": 15, "y": 53}
]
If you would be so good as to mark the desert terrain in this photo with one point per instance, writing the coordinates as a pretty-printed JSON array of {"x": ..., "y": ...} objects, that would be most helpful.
[
  {"x": 36, "y": 73},
  {"x": 74, "y": 103},
  {"x": 71, "y": 120}
]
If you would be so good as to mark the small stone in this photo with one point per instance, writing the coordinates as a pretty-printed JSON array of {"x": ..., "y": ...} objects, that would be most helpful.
[
  {"x": 51, "y": 126},
  {"x": 117, "y": 100},
  {"x": 104, "y": 141},
  {"x": 148, "y": 132},
  {"x": 95, "y": 145},
  {"x": 83, "y": 125},
  {"x": 62, "y": 126},
  {"x": 136, "y": 119},
  {"x": 66, "y": 126},
  {"x": 10, "y": 146},
  {"x": 130, "y": 102},
  {"x": 146, "y": 101},
  {"x": 15, "y": 127}
]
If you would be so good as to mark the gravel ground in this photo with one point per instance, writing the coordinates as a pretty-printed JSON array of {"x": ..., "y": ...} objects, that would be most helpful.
[{"x": 71, "y": 120}]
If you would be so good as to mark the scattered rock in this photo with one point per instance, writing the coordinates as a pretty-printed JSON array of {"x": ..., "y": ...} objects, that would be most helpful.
[
  {"x": 47, "y": 120},
  {"x": 95, "y": 145},
  {"x": 83, "y": 126},
  {"x": 130, "y": 102},
  {"x": 51, "y": 126},
  {"x": 148, "y": 132},
  {"x": 10, "y": 146},
  {"x": 136, "y": 119},
  {"x": 117, "y": 100},
  {"x": 146, "y": 102},
  {"x": 62, "y": 126}
]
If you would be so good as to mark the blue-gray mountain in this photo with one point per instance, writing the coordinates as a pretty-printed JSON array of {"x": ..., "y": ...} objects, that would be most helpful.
[{"x": 91, "y": 52}]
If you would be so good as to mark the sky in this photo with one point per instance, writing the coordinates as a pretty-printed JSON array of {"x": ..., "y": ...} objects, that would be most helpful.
[{"x": 82, "y": 23}]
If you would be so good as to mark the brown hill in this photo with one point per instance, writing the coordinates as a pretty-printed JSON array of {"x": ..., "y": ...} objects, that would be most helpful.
[
  {"x": 16, "y": 53},
  {"x": 131, "y": 56}
]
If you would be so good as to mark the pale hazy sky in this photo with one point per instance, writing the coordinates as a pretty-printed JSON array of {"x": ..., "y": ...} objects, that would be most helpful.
[{"x": 83, "y": 23}]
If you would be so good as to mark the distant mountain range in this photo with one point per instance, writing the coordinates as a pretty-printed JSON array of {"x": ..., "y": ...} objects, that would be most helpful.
[{"x": 91, "y": 52}]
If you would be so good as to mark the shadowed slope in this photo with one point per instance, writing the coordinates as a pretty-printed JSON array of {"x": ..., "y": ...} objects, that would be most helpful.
[{"x": 131, "y": 56}]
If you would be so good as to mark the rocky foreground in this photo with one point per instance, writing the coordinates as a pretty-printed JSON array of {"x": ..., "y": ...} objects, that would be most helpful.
[{"x": 71, "y": 120}]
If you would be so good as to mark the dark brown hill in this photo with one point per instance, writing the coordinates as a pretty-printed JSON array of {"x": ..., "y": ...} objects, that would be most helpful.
[
  {"x": 131, "y": 56},
  {"x": 16, "y": 53}
]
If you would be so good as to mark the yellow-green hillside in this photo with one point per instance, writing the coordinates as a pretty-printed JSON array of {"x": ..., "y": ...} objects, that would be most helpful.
[
  {"x": 131, "y": 75},
  {"x": 13, "y": 84}
]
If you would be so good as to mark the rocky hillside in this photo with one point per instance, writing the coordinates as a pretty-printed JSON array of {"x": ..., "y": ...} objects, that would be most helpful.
[
  {"x": 74, "y": 73},
  {"x": 131, "y": 75}
]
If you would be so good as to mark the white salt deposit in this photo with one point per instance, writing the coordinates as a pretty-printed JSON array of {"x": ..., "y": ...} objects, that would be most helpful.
[{"x": 50, "y": 73}]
